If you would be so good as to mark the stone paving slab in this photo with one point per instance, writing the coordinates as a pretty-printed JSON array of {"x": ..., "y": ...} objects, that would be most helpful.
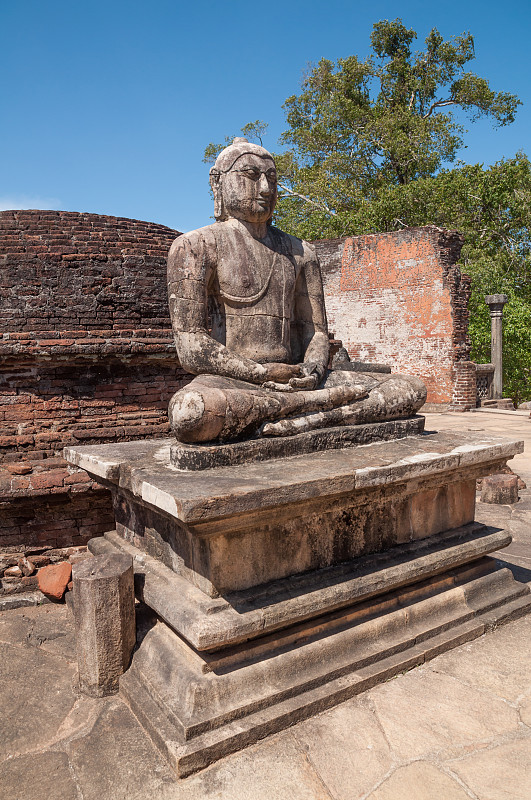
[{"x": 458, "y": 727}]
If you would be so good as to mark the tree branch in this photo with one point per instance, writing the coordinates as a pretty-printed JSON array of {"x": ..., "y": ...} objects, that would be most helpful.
[
  {"x": 321, "y": 206},
  {"x": 438, "y": 104}
]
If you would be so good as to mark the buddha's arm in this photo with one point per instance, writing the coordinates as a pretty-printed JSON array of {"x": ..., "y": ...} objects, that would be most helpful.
[
  {"x": 189, "y": 274},
  {"x": 311, "y": 315}
]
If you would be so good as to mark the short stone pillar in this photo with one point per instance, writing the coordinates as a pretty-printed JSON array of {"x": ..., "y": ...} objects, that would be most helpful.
[
  {"x": 104, "y": 612},
  {"x": 499, "y": 488},
  {"x": 496, "y": 303}
]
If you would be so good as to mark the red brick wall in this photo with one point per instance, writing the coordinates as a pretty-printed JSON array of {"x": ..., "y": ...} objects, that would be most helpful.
[
  {"x": 62, "y": 270},
  {"x": 399, "y": 298},
  {"x": 86, "y": 356}
]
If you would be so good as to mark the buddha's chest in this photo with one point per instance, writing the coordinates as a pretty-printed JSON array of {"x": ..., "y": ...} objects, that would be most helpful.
[{"x": 250, "y": 275}]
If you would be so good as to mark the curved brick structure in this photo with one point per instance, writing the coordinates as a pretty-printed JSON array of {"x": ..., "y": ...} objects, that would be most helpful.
[
  {"x": 64, "y": 271},
  {"x": 86, "y": 354}
]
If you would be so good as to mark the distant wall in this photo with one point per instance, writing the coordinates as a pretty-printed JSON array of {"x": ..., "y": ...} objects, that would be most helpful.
[
  {"x": 399, "y": 298},
  {"x": 64, "y": 271}
]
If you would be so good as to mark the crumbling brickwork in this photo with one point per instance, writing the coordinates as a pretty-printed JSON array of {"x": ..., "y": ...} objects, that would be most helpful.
[
  {"x": 86, "y": 356},
  {"x": 399, "y": 298},
  {"x": 67, "y": 271}
]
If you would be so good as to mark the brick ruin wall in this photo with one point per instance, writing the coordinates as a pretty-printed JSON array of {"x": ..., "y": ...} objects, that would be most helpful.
[
  {"x": 86, "y": 356},
  {"x": 400, "y": 299}
]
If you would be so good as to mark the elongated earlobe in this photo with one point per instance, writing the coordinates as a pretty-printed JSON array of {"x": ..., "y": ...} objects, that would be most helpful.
[{"x": 216, "y": 185}]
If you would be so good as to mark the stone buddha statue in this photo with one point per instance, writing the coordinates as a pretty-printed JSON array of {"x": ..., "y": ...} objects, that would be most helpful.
[{"x": 247, "y": 309}]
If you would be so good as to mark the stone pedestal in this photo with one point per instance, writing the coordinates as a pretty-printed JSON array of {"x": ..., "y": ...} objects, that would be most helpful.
[
  {"x": 104, "y": 612},
  {"x": 496, "y": 303},
  {"x": 500, "y": 489},
  {"x": 281, "y": 588}
]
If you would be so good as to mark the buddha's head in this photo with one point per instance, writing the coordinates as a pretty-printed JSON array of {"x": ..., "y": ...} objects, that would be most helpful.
[{"x": 244, "y": 182}]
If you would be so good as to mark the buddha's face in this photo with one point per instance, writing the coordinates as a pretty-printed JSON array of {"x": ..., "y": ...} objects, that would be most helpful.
[{"x": 250, "y": 188}]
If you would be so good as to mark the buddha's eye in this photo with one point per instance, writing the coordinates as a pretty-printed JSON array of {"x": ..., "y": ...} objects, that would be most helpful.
[
  {"x": 251, "y": 172},
  {"x": 254, "y": 174}
]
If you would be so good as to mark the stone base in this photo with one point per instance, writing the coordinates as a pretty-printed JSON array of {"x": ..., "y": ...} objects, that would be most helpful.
[
  {"x": 212, "y": 623},
  {"x": 208, "y": 456},
  {"x": 233, "y": 528},
  {"x": 282, "y": 588},
  {"x": 198, "y": 708},
  {"x": 504, "y": 403}
]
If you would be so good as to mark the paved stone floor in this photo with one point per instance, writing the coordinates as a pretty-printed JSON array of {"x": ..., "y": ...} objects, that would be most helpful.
[{"x": 457, "y": 727}]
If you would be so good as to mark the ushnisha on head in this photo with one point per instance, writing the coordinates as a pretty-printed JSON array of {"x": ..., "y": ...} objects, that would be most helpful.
[{"x": 244, "y": 182}]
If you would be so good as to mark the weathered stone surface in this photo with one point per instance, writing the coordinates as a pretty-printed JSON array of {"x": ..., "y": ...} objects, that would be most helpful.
[
  {"x": 497, "y": 664},
  {"x": 351, "y": 727},
  {"x": 32, "y": 710},
  {"x": 50, "y": 772},
  {"x": 275, "y": 769},
  {"x": 117, "y": 758},
  {"x": 499, "y": 489},
  {"x": 208, "y": 456},
  {"x": 462, "y": 717},
  {"x": 498, "y": 773},
  {"x": 262, "y": 357},
  {"x": 419, "y": 781},
  {"x": 109, "y": 753},
  {"x": 105, "y": 621},
  {"x": 236, "y": 527},
  {"x": 54, "y": 579},
  {"x": 525, "y": 709}
]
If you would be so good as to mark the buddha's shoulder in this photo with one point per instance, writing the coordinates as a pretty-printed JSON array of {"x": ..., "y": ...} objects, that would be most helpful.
[
  {"x": 197, "y": 239},
  {"x": 297, "y": 247}
]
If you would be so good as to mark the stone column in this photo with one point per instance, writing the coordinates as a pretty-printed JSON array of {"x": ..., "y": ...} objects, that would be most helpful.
[
  {"x": 104, "y": 611},
  {"x": 496, "y": 303}
]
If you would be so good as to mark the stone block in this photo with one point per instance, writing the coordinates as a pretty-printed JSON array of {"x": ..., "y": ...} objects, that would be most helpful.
[
  {"x": 500, "y": 489},
  {"x": 104, "y": 611}
]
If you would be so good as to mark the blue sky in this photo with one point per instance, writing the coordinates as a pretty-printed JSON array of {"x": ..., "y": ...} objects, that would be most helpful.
[{"x": 107, "y": 106}]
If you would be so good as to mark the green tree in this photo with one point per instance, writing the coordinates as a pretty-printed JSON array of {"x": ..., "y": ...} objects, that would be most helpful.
[
  {"x": 492, "y": 208},
  {"x": 370, "y": 147}
]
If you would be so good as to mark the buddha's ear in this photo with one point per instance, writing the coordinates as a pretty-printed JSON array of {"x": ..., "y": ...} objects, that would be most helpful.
[{"x": 215, "y": 185}]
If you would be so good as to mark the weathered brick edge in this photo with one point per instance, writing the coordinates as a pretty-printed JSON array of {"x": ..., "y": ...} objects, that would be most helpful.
[
  {"x": 439, "y": 350},
  {"x": 86, "y": 355}
]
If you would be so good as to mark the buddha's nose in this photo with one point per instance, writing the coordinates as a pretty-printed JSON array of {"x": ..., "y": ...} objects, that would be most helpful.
[{"x": 264, "y": 187}]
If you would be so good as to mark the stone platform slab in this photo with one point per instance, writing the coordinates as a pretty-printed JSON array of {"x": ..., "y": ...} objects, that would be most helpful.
[
  {"x": 232, "y": 528},
  {"x": 207, "y": 456}
]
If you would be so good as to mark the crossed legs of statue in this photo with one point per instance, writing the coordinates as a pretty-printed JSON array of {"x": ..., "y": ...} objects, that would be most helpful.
[{"x": 213, "y": 408}]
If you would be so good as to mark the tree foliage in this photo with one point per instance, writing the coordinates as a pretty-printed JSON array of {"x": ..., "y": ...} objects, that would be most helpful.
[{"x": 370, "y": 146}]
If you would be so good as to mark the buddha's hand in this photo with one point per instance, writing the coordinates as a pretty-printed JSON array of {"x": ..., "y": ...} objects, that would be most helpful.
[
  {"x": 279, "y": 376},
  {"x": 311, "y": 376},
  {"x": 281, "y": 373}
]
